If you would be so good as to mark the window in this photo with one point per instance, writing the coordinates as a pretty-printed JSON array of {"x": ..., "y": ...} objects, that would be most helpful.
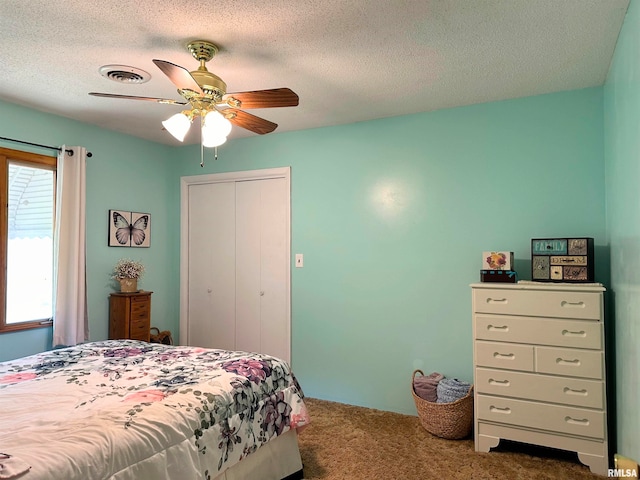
[{"x": 27, "y": 188}]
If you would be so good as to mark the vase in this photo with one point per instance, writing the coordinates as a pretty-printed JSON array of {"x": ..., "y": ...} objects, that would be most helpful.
[{"x": 128, "y": 284}]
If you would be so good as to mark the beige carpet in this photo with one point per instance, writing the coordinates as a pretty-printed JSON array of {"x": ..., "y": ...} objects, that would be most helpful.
[{"x": 347, "y": 442}]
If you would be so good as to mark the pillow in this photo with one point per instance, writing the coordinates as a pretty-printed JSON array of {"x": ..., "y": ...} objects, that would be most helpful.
[{"x": 426, "y": 386}]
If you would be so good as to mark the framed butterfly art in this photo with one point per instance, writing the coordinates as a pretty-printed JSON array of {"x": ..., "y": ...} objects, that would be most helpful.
[{"x": 129, "y": 229}]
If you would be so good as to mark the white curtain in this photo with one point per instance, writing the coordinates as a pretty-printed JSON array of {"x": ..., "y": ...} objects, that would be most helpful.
[{"x": 70, "y": 324}]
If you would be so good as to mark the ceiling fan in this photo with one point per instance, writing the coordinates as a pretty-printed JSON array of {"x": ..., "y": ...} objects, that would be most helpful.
[{"x": 207, "y": 97}]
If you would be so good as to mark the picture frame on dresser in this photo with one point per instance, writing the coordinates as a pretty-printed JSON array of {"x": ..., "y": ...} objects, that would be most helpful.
[{"x": 539, "y": 368}]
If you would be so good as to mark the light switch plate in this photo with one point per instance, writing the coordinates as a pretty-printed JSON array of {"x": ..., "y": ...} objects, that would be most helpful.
[{"x": 299, "y": 260}]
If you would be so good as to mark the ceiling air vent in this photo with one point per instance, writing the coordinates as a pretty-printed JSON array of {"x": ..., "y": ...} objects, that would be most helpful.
[{"x": 124, "y": 74}]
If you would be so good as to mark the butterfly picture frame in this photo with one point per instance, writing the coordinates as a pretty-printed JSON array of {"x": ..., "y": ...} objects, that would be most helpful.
[{"x": 129, "y": 229}]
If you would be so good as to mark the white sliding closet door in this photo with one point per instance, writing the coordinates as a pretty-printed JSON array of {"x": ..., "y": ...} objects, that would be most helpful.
[
  {"x": 248, "y": 287},
  {"x": 261, "y": 267},
  {"x": 274, "y": 268},
  {"x": 235, "y": 264},
  {"x": 211, "y": 266}
]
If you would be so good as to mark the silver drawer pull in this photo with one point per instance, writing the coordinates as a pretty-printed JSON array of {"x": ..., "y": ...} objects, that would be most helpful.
[
  {"x": 572, "y": 304},
  {"x": 502, "y": 383},
  {"x": 496, "y": 300},
  {"x": 504, "y": 355},
  {"x": 571, "y": 391},
  {"x": 569, "y": 333},
  {"x": 501, "y": 328},
  {"x": 495, "y": 409},
  {"x": 562, "y": 361},
  {"x": 577, "y": 421}
]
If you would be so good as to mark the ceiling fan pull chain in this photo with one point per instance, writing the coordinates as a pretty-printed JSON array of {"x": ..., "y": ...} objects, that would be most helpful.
[
  {"x": 215, "y": 153},
  {"x": 201, "y": 150}
]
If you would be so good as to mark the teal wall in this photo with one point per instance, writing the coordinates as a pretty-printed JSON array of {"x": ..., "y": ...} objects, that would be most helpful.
[
  {"x": 622, "y": 144},
  {"x": 124, "y": 173},
  {"x": 393, "y": 215}
]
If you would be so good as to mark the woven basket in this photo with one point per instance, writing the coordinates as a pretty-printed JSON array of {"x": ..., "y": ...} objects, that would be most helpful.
[
  {"x": 157, "y": 336},
  {"x": 447, "y": 420}
]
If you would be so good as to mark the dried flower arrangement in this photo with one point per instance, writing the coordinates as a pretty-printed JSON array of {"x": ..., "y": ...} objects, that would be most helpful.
[{"x": 126, "y": 268}]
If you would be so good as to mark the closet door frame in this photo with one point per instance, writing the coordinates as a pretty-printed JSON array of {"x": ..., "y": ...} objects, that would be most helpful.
[{"x": 185, "y": 183}]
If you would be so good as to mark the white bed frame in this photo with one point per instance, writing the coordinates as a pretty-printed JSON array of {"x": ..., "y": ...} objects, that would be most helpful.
[{"x": 276, "y": 460}]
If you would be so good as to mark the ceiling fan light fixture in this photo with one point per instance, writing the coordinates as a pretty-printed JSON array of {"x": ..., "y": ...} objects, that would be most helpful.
[
  {"x": 217, "y": 123},
  {"x": 211, "y": 138},
  {"x": 177, "y": 125}
]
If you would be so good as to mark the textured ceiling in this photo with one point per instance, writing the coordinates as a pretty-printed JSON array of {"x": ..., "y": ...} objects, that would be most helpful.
[{"x": 348, "y": 60}]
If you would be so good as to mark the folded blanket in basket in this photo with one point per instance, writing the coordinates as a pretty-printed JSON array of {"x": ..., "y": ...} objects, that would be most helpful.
[
  {"x": 451, "y": 389},
  {"x": 426, "y": 386}
]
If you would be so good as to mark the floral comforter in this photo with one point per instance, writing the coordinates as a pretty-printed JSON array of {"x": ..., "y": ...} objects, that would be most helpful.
[{"x": 124, "y": 409}]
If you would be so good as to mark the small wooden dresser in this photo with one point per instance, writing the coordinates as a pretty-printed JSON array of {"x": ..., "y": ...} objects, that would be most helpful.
[
  {"x": 540, "y": 367},
  {"x": 130, "y": 315}
]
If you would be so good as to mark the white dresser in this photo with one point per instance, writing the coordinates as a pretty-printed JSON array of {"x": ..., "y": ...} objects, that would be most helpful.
[{"x": 539, "y": 367}]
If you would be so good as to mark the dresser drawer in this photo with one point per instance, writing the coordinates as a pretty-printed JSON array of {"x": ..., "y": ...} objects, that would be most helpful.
[
  {"x": 504, "y": 355},
  {"x": 140, "y": 299},
  {"x": 139, "y": 329},
  {"x": 538, "y": 303},
  {"x": 568, "y": 391},
  {"x": 140, "y": 310},
  {"x": 553, "y": 418},
  {"x": 540, "y": 331},
  {"x": 567, "y": 361},
  {"x": 140, "y": 336}
]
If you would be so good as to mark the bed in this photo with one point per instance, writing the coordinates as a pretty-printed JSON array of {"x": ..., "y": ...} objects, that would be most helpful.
[{"x": 126, "y": 409}]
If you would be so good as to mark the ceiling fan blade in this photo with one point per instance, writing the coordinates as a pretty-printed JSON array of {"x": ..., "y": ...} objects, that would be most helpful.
[
  {"x": 180, "y": 76},
  {"x": 131, "y": 97},
  {"x": 276, "y": 97},
  {"x": 250, "y": 122}
]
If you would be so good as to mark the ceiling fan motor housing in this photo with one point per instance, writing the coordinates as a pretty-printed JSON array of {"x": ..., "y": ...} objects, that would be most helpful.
[{"x": 211, "y": 84}]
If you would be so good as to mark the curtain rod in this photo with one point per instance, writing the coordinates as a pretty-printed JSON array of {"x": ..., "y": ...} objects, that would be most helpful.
[{"x": 59, "y": 149}]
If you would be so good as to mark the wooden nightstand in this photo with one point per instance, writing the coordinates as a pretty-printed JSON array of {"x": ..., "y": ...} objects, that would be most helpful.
[{"x": 130, "y": 315}]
